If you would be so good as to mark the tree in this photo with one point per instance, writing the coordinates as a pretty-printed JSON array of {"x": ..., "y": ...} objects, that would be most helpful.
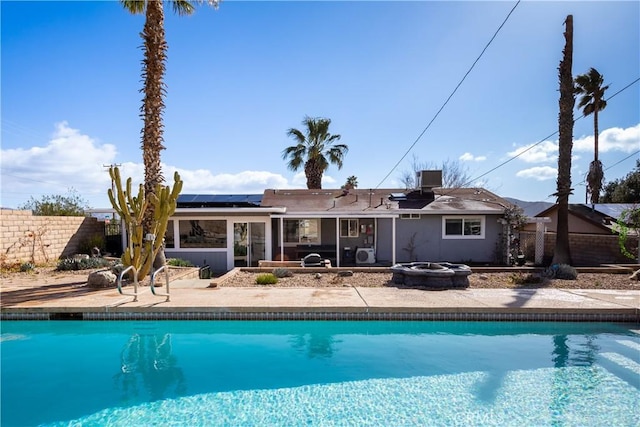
[
  {"x": 316, "y": 148},
  {"x": 57, "y": 205},
  {"x": 154, "y": 89},
  {"x": 352, "y": 182},
  {"x": 590, "y": 87},
  {"x": 454, "y": 173},
  {"x": 629, "y": 220},
  {"x": 624, "y": 190},
  {"x": 561, "y": 254}
]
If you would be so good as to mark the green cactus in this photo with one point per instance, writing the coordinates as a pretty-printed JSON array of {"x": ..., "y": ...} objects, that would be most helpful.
[{"x": 141, "y": 252}]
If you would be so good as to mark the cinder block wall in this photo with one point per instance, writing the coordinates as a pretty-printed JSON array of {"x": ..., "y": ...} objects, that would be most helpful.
[
  {"x": 25, "y": 237},
  {"x": 586, "y": 249}
]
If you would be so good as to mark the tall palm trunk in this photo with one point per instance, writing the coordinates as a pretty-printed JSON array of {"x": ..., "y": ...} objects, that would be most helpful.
[
  {"x": 153, "y": 69},
  {"x": 596, "y": 173},
  {"x": 562, "y": 254},
  {"x": 314, "y": 174}
]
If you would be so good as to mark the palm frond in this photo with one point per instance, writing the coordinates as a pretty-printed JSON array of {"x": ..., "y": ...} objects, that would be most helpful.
[{"x": 134, "y": 6}]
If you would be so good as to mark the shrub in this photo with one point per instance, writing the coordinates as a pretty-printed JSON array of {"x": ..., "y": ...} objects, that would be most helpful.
[
  {"x": 27, "y": 266},
  {"x": 561, "y": 271},
  {"x": 281, "y": 272},
  {"x": 68, "y": 264},
  {"x": 266, "y": 279},
  {"x": 523, "y": 279},
  {"x": 117, "y": 268},
  {"x": 177, "y": 262},
  {"x": 96, "y": 241}
]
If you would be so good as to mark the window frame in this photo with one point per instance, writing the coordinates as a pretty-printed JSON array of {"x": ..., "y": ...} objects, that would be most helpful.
[
  {"x": 463, "y": 219},
  {"x": 300, "y": 234},
  {"x": 195, "y": 222},
  {"x": 410, "y": 216},
  {"x": 351, "y": 231}
]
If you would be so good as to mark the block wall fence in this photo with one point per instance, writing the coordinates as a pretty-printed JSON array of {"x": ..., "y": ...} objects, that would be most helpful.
[
  {"x": 40, "y": 239},
  {"x": 586, "y": 249}
]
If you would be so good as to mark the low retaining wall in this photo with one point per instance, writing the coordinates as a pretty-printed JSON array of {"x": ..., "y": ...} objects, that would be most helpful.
[
  {"x": 41, "y": 239},
  {"x": 586, "y": 249}
]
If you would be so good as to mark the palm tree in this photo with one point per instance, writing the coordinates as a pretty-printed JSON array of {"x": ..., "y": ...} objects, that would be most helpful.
[
  {"x": 315, "y": 149},
  {"x": 352, "y": 182},
  {"x": 153, "y": 70},
  {"x": 561, "y": 254},
  {"x": 590, "y": 86}
]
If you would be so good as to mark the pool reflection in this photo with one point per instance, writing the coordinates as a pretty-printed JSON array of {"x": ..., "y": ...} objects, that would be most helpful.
[{"x": 147, "y": 362}]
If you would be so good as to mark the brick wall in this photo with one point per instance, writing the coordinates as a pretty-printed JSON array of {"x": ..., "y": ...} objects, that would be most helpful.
[
  {"x": 586, "y": 249},
  {"x": 26, "y": 238}
]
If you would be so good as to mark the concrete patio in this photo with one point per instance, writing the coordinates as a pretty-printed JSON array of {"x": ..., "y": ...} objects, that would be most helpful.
[{"x": 196, "y": 298}]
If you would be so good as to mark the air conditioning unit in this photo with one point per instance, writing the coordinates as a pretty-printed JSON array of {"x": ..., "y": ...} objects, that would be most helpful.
[
  {"x": 429, "y": 179},
  {"x": 365, "y": 256}
]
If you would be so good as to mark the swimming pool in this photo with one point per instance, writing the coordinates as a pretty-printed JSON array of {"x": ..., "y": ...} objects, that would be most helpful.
[{"x": 318, "y": 373}]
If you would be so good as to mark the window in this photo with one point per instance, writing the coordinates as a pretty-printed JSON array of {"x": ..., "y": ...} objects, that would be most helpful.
[
  {"x": 410, "y": 216},
  {"x": 203, "y": 233},
  {"x": 168, "y": 236},
  {"x": 302, "y": 230},
  {"x": 349, "y": 228},
  {"x": 463, "y": 227}
]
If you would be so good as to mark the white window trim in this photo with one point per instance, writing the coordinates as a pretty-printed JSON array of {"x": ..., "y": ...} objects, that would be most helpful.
[
  {"x": 445, "y": 236},
  {"x": 410, "y": 216},
  {"x": 349, "y": 221}
]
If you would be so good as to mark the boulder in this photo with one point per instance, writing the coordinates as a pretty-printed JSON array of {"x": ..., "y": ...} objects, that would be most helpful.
[{"x": 102, "y": 279}]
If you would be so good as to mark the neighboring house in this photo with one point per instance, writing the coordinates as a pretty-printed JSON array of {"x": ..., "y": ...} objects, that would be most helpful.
[
  {"x": 349, "y": 227},
  {"x": 529, "y": 209},
  {"x": 586, "y": 219},
  {"x": 593, "y": 235}
]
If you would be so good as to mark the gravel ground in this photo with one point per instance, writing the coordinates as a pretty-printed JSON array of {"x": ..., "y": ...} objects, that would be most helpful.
[
  {"x": 48, "y": 276},
  {"x": 476, "y": 280}
]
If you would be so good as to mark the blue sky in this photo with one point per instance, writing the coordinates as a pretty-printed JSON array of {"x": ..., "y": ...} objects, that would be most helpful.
[{"x": 240, "y": 76}]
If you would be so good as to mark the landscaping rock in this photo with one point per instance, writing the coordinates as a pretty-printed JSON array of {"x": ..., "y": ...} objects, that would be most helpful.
[
  {"x": 345, "y": 273},
  {"x": 102, "y": 279}
]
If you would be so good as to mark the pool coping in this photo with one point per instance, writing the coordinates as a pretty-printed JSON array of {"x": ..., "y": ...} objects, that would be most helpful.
[{"x": 193, "y": 300}]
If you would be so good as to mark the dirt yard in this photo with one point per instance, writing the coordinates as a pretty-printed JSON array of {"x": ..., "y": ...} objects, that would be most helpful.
[{"x": 48, "y": 276}]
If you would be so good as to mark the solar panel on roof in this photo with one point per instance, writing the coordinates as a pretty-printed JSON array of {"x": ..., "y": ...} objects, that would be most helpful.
[{"x": 222, "y": 199}]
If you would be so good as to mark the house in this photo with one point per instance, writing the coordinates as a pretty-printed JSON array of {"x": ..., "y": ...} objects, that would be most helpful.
[
  {"x": 586, "y": 219},
  {"x": 593, "y": 234},
  {"x": 366, "y": 227}
]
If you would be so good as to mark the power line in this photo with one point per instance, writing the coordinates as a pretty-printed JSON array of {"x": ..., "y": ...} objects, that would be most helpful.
[
  {"x": 540, "y": 142},
  {"x": 622, "y": 160},
  {"x": 450, "y": 96}
]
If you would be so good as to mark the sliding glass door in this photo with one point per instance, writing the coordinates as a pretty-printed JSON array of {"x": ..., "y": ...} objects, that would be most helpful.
[{"x": 248, "y": 243}]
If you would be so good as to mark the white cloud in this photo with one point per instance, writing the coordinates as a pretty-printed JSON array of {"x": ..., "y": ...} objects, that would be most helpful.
[
  {"x": 539, "y": 173},
  {"x": 544, "y": 152},
  {"x": 612, "y": 139},
  {"x": 74, "y": 160},
  {"x": 468, "y": 157},
  {"x": 203, "y": 181},
  {"x": 69, "y": 160}
]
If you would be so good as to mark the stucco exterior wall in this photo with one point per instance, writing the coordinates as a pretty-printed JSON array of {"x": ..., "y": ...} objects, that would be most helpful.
[
  {"x": 429, "y": 245},
  {"x": 41, "y": 239}
]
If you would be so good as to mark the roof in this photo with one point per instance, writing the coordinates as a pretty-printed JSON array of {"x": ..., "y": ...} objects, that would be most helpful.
[
  {"x": 385, "y": 201},
  {"x": 603, "y": 215},
  {"x": 219, "y": 200}
]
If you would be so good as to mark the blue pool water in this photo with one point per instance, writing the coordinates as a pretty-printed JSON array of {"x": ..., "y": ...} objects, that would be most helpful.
[{"x": 319, "y": 373}]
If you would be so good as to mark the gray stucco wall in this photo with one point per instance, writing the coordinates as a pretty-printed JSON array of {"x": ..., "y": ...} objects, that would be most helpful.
[
  {"x": 429, "y": 245},
  {"x": 216, "y": 260}
]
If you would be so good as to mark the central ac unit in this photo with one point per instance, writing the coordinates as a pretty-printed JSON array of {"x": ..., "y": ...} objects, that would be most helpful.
[{"x": 365, "y": 256}]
